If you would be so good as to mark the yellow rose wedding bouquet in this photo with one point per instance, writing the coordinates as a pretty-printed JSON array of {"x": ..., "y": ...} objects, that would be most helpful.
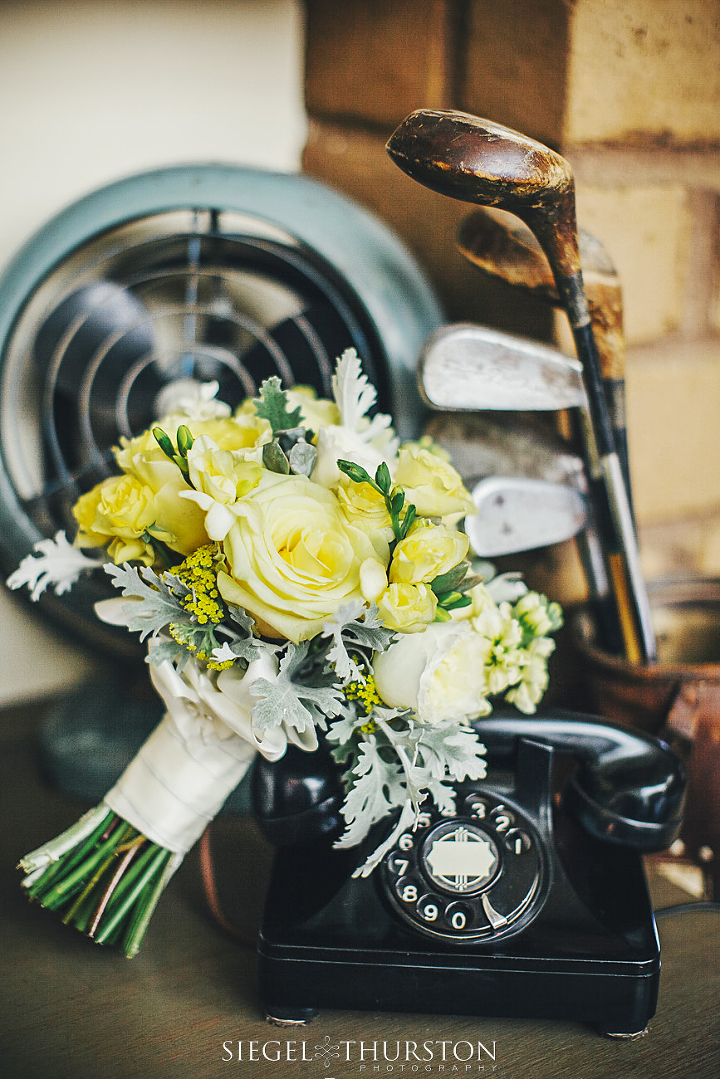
[{"x": 292, "y": 570}]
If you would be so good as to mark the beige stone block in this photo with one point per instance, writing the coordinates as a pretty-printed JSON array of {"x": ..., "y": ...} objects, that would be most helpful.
[
  {"x": 378, "y": 60},
  {"x": 516, "y": 65},
  {"x": 644, "y": 72},
  {"x": 643, "y": 69},
  {"x": 673, "y": 406},
  {"x": 646, "y": 232},
  {"x": 709, "y": 553}
]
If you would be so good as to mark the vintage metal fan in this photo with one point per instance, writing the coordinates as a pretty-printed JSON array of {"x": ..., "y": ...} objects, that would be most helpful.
[{"x": 176, "y": 276}]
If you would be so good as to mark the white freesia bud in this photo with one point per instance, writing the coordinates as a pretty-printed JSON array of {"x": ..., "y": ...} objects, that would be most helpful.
[{"x": 373, "y": 579}]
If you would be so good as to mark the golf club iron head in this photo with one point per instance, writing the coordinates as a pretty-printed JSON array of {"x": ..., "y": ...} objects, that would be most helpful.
[
  {"x": 473, "y": 368},
  {"x": 514, "y": 513},
  {"x": 503, "y": 444}
]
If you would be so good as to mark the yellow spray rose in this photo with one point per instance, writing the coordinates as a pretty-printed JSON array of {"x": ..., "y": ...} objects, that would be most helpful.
[
  {"x": 223, "y": 475},
  {"x": 431, "y": 484},
  {"x": 117, "y": 512},
  {"x": 407, "y": 608},
  {"x": 293, "y": 558},
  {"x": 365, "y": 507},
  {"x": 427, "y": 552}
]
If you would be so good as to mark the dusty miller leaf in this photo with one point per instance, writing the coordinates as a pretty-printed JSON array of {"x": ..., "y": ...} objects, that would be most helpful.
[
  {"x": 159, "y": 606},
  {"x": 451, "y": 750},
  {"x": 376, "y": 790},
  {"x": 348, "y": 631},
  {"x": 272, "y": 405},
  {"x": 290, "y": 703}
]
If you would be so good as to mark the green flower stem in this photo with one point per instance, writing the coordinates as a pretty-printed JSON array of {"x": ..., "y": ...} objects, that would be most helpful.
[
  {"x": 161, "y": 856},
  {"x": 144, "y": 911},
  {"x": 59, "y": 892},
  {"x": 89, "y": 825},
  {"x": 89, "y": 889},
  {"x": 129, "y": 877},
  {"x": 127, "y": 857}
]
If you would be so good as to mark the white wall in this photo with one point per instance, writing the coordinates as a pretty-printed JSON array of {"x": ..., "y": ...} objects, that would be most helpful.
[{"x": 93, "y": 90}]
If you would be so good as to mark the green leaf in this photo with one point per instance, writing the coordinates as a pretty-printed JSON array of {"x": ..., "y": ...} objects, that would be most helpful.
[
  {"x": 302, "y": 458},
  {"x": 274, "y": 459},
  {"x": 272, "y": 405},
  {"x": 407, "y": 521},
  {"x": 448, "y": 582}
]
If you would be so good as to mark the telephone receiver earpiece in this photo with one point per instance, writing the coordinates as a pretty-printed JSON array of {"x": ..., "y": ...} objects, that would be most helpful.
[{"x": 629, "y": 788}]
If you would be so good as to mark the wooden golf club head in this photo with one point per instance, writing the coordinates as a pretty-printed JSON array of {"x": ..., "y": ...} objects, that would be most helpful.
[
  {"x": 475, "y": 160},
  {"x": 503, "y": 247},
  {"x": 472, "y": 368}
]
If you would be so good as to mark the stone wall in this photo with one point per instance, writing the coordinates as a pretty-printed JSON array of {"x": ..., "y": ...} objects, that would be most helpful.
[{"x": 629, "y": 92}]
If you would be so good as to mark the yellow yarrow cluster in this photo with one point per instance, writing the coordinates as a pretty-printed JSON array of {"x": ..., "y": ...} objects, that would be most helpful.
[
  {"x": 366, "y": 696},
  {"x": 198, "y": 573}
]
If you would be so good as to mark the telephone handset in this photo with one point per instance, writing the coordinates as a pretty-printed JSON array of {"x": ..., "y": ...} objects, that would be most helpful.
[{"x": 541, "y": 893}]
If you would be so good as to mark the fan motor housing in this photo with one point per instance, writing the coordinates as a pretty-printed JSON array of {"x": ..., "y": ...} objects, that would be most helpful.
[{"x": 187, "y": 274}]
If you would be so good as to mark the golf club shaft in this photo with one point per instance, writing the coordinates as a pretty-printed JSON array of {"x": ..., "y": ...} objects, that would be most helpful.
[
  {"x": 509, "y": 250},
  {"x": 609, "y": 495}
]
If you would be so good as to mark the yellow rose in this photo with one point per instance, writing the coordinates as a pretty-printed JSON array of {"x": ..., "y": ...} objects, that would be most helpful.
[
  {"x": 181, "y": 519},
  {"x": 142, "y": 453},
  {"x": 117, "y": 512},
  {"x": 293, "y": 558},
  {"x": 407, "y": 608},
  {"x": 364, "y": 507},
  {"x": 317, "y": 411},
  {"x": 431, "y": 484},
  {"x": 427, "y": 552}
]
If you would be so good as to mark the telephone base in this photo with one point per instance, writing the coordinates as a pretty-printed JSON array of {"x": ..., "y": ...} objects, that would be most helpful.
[{"x": 330, "y": 941}]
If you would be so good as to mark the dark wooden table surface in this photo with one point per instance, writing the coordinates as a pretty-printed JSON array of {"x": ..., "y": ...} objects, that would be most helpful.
[{"x": 72, "y": 1010}]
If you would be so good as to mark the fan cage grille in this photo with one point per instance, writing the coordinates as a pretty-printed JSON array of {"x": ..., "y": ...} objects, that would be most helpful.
[{"x": 118, "y": 326}]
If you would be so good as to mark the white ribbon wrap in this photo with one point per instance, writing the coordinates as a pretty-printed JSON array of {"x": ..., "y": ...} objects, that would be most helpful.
[{"x": 198, "y": 753}]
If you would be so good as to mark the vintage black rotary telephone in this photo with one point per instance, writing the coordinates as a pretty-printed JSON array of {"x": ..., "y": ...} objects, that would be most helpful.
[{"x": 532, "y": 901}]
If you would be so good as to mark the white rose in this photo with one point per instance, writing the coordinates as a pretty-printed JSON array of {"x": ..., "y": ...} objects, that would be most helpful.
[{"x": 440, "y": 673}]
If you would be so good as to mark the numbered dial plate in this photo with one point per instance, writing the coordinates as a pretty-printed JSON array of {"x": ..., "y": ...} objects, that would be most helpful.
[{"x": 473, "y": 877}]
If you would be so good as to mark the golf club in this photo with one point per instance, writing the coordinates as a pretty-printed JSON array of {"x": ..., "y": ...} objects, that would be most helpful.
[
  {"x": 503, "y": 247},
  {"x": 463, "y": 367},
  {"x": 478, "y": 161},
  {"x": 502, "y": 444},
  {"x": 516, "y": 513}
]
